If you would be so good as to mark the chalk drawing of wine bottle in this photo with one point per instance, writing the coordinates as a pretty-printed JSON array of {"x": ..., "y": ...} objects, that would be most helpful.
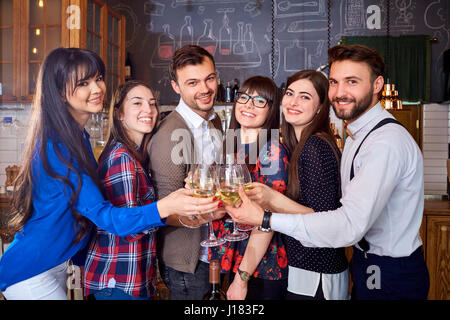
[
  {"x": 225, "y": 40},
  {"x": 248, "y": 38},
  {"x": 187, "y": 32},
  {"x": 166, "y": 44},
  {"x": 239, "y": 46},
  {"x": 207, "y": 40}
]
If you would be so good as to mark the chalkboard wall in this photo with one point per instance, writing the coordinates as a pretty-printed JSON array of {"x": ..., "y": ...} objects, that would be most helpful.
[{"x": 239, "y": 34}]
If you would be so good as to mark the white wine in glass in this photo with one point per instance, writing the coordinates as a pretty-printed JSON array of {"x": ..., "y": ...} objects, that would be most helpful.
[
  {"x": 229, "y": 180},
  {"x": 203, "y": 185}
]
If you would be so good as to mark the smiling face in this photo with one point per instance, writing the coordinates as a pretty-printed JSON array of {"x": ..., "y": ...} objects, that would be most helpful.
[
  {"x": 138, "y": 113},
  {"x": 86, "y": 98},
  {"x": 300, "y": 104},
  {"x": 197, "y": 86},
  {"x": 352, "y": 89},
  {"x": 249, "y": 116}
]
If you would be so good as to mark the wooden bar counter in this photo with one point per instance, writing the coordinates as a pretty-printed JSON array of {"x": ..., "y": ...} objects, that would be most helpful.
[{"x": 435, "y": 234}]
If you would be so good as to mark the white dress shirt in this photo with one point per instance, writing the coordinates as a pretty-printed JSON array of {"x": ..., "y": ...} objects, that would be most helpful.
[
  {"x": 383, "y": 202},
  {"x": 207, "y": 145}
]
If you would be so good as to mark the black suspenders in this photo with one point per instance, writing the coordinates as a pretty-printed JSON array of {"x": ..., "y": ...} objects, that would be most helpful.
[{"x": 363, "y": 244}]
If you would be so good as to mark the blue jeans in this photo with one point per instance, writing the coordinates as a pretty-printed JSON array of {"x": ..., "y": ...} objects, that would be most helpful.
[
  {"x": 386, "y": 278},
  {"x": 186, "y": 286},
  {"x": 114, "y": 294}
]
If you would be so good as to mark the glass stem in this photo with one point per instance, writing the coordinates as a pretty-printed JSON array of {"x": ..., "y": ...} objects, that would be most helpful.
[
  {"x": 235, "y": 231},
  {"x": 211, "y": 231}
]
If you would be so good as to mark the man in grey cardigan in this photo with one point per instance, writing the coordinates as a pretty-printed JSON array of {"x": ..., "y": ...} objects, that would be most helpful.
[{"x": 189, "y": 134}]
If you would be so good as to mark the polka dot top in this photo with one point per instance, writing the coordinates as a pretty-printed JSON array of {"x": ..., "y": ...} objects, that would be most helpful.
[{"x": 319, "y": 189}]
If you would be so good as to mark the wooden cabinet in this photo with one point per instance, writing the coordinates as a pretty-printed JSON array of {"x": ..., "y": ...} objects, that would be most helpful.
[
  {"x": 436, "y": 224},
  {"x": 411, "y": 118},
  {"x": 9, "y": 52},
  {"x": 30, "y": 29}
]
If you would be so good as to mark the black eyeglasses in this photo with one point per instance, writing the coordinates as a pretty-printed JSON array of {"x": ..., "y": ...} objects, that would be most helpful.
[{"x": 258, "y": 101}]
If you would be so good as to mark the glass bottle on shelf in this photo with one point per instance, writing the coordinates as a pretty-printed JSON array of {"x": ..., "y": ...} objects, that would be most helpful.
[
  {"x": 207, "y": 40},
  {"x": 228, "y": 92},
  {"x": 220, "y": 91}
]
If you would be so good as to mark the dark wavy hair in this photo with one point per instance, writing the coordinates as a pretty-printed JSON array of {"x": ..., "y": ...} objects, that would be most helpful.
[
  {"x": 319, "y": 126},
  {"x": 51, "y": 121},
  {"x": 117, "y": 131},
  {"x": 188, "y": 55}
]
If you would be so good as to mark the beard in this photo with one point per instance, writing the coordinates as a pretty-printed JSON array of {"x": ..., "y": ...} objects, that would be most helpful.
[
  {"x": 204, "y": 108},
  {"x": 359, "y": 108}
]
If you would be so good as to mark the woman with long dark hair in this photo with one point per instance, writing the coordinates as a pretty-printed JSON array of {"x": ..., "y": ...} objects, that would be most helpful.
[
  {"x": 254, "y": 125},
  {"x": 314, "y": 182},
  {"x": 57, "y": 197},
  {"x": 131, "y": 260}
]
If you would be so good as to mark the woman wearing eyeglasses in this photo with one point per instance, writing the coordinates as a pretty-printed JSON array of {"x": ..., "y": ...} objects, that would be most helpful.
[
  {"x": 254, "y": 127},
  {"x": 314, "y": 182}
]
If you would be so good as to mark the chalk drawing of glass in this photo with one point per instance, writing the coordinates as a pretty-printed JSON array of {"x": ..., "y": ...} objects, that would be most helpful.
[
  {"x": 248, "y": 38},
  {"x": 239, "y": 46}
]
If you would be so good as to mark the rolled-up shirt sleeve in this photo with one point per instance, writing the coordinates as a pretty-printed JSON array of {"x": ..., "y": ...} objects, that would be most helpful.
[{"x": 364, "y": 199}]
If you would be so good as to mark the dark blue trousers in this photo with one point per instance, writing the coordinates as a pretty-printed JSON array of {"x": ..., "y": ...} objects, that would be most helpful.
[{"x": 386, "y": 278}]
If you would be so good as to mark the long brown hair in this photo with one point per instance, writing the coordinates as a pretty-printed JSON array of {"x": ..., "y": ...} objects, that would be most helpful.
[
  {"x": 51, "y": 122},
  {"x": 267, "y": 88},
  {"x": 117, "y": 131},
  {"x": 319, "y": 126}
]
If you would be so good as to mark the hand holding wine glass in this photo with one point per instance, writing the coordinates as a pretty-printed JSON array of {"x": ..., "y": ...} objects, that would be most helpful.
[
  {"x": 204, "y": 185},
  {"x": 247, "y": 182},
  {"x": 201, "y": 180},
  {"x": 229, "y": 180}
]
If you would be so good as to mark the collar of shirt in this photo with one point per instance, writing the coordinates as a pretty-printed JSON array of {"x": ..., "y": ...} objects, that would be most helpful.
[
  {"x": 193, "y": 120},
  {"x": 356, "y": 126}
]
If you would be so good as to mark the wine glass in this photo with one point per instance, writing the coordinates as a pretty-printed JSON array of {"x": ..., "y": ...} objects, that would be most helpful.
[
  {"x": 247, "y": 182},
  {"x": 202, "y": 183},
  {"x": 229, "y": 180}
]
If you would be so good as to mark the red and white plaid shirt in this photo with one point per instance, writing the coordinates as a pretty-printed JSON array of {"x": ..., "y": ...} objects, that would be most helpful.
[{"x": 129, "y": 260}]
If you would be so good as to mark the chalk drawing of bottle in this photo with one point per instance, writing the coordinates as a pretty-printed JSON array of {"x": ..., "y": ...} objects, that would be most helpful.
[
  {"x": 248, "y": 38},
  {"x": 186, "y": 32},
  {"x": 295, "y": 57},
  {"x": 225, "y": 33},
  {"x": 166, "y": 44},
  {"x": 207, "y": 40},
  {"x": 239, "y": 46}
]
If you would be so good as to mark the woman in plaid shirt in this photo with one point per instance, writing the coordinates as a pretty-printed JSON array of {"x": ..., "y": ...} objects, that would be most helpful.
[{"x": 125, "y": 267}]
